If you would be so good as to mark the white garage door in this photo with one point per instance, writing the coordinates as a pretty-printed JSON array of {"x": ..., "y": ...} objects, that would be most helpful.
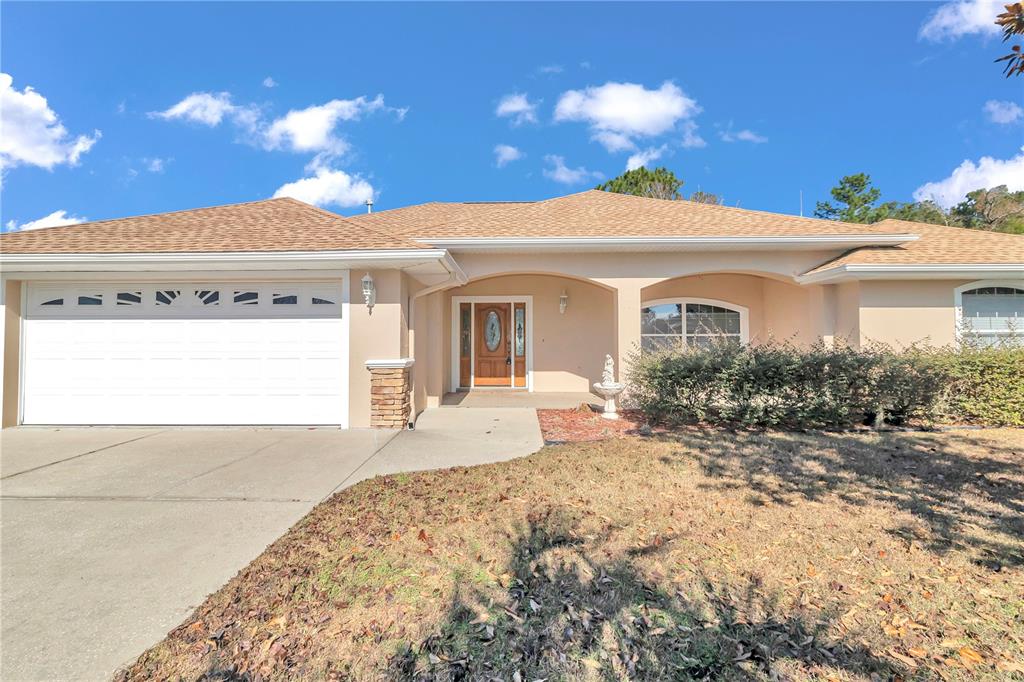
[{"x": 195, "y": 353}]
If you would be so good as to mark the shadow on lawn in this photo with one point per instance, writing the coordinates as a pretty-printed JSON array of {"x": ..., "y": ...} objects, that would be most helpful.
[
  {"x": 953, "y": 494},
  {"x": 571, "y": 615}
]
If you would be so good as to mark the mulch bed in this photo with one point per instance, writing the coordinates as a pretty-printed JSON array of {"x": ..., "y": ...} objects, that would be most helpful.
[{"x": 583, "y": 425}]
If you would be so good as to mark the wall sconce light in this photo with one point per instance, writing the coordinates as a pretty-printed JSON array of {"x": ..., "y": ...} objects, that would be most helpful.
[
  {"x": 369, "y": 291},
  {"x": 563, "y": 302}
]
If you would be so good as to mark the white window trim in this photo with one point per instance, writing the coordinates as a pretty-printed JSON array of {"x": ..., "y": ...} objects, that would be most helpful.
[
  {"x": 456, "y": 300},
  {"x": 742, "y": 310},
  {"x": 958, "y": 302}
]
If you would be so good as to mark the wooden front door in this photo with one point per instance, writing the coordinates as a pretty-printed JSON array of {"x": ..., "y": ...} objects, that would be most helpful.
[{"x": 493, "y": 361}]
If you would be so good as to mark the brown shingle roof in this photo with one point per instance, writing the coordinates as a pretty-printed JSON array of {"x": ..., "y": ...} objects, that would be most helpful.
[
  {"x": 595, "y": 213},
  {"x": 938, "y": 245},
  {"x": 271, "y": 225}
]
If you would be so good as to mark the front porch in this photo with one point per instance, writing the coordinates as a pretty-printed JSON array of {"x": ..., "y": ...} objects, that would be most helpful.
[
  {"x": 540, "y": 339},
  {"x": 560, "y": 400}
]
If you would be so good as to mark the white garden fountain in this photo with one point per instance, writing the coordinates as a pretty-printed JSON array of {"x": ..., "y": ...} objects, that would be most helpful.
[{"x": 609, "y": 388}]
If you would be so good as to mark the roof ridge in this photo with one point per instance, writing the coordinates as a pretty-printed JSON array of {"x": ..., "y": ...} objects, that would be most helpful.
[
  {"x": 700, "y": 205},
  {"x": 941, "y": 226}
]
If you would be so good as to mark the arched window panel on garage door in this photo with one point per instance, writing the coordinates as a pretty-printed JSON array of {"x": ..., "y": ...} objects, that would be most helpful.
[{"x": 184, "y": 299}]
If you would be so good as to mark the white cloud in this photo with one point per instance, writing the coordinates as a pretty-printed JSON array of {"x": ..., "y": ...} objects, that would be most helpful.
[
  {"x": 312, "y": 129},
  {"x": 518, "y": 107},
  {"x": 1003, "y": 112},
  {"x": 744, "y": 135},
  {"x": 619, "y": 112},
  {"x": 31, "y": 132},
  {"x": 207, "y": 108},
  {"x": 614, "y": 142},
  {"x": 155, "y": 164},
  {"x": 269, "y": 82},
  {"x": 956, "y": 19},
  {"x": 691, "y": 139},
  {"x": 551, "y": 69},
  {"x": 55, "y": 219},
  {"x": 559, "y": 172},
  {"x": 505, "y": 154},
  {"x": 969, "y": 176},
  {"x": 327, "y": 186},
  {"x": 646, "y": 156}
]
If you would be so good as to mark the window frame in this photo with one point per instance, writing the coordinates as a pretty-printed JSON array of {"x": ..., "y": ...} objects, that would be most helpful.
[
  {"x": 958, "y": 303},
  {"x": 683, "y": 300}
]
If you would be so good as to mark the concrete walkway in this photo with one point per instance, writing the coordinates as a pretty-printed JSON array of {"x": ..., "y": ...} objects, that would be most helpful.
[
  {"x": 449, "y": 438},
  {"x": 110, "y": 537}
]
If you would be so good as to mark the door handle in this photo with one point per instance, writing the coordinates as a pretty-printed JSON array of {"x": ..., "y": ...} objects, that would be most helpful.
[{"x": 508, "y": 360}]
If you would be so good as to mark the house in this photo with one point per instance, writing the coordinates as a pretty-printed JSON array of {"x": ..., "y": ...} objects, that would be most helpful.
[{"x": 276, "y": 312}]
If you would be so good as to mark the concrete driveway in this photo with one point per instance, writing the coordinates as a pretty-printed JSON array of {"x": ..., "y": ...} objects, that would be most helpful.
[{"x": 110, "y": 537}]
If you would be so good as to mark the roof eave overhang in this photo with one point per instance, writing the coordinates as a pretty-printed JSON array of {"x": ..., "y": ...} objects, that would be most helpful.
[
  {"x": 425, "y": 261},
  {"x": 637, "y": 244},
  {"x": 850, "y": 272}
]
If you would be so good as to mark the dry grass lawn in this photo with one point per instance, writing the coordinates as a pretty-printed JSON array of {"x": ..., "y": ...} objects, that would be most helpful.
[{"x": 709, "y": 554}]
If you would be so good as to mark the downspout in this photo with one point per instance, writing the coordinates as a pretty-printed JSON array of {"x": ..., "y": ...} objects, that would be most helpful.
[{"x": 456, "y": 277}]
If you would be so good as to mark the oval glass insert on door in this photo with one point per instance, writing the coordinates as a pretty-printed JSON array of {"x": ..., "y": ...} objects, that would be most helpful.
[{"x": 492, "y": 331}]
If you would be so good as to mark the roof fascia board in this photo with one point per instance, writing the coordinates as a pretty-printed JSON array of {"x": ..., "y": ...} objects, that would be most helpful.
[
  {"x": 920, "y": 271},
  {"x": 850, "y": 241},
  {"x": 255, "y": 260}
]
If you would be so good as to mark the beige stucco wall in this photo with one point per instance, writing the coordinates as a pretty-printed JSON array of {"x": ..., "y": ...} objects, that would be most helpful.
[
  {"x": 650, "y": 265},
  {"x": 904, "y": 312},
  {"x": 568, "y": 349},
  {"x": 11, "y": 352},
  {"x": 376, "y": 335}
]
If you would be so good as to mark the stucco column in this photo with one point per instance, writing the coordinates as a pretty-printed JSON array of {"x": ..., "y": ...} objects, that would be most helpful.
[
  {"x": 10, "y": 351},
  {"x": 628, "y": 300}
]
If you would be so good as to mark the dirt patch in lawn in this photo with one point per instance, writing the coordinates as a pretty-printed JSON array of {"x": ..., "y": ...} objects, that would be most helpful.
[
  {"x": 705, "y": 555},
  {"x": 584, "y": 424}
]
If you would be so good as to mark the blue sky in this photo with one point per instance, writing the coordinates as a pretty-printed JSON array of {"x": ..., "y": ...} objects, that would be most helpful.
[{"x": 408, "y": 102}]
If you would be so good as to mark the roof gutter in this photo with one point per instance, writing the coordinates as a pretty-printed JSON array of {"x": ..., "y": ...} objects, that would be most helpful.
[
  {"x": 251, "y": 260},
  {"x": 849, "y": 272},
  {"x": 541, "y": 243}
]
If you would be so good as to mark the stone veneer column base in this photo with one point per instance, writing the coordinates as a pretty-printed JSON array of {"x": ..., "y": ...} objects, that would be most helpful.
[{"x": 390, "y": 393}]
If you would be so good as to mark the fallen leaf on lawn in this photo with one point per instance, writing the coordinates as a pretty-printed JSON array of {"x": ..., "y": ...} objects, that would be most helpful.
[
  {"x": 906, "y": 660},
  {"x": 811, "y": 571},
  {"x": 423, "y": 536},
  {"x": 969, "y": 656},
  {"x": 917, "y": 652}
]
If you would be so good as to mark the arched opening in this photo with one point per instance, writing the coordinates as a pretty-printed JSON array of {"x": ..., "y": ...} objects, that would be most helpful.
[
  {"x": 748, "y": 307},
  {"x": 568, "y": 328}
]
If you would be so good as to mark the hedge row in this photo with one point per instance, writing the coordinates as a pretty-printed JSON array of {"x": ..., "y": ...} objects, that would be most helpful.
[{"x": 778, "y": 384}]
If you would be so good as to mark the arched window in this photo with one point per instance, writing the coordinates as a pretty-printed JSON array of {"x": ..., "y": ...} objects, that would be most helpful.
[
  {"x": 679, "y": 322},
  {"x": 990, "y": 313}
]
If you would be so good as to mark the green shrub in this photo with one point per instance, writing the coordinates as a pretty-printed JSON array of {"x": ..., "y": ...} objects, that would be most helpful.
[
  {"x": 910, "y": 383},
  {"x": 986, "y": 385},
  {"x": 781, "y": 385}
]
